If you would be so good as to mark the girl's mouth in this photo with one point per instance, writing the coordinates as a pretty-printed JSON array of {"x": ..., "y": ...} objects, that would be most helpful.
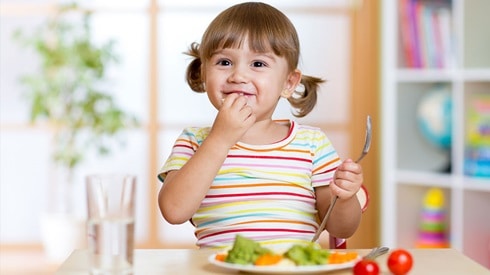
[{"x": 239, "y": 93}]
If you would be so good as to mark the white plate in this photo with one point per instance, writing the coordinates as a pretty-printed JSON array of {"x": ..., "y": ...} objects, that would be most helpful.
[{"x": 282, "y": 269}]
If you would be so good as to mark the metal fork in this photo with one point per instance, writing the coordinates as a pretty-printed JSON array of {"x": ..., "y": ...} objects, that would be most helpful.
[
  {"x": 365, "y": 150},
  {"x": 367, "y": 141},
  {"x": 375, "y": 252}
]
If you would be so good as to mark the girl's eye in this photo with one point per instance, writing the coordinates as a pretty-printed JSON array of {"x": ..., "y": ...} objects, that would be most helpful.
[
  {"x": 258, "y": 64},
  {"x": 223, "y": 62}
]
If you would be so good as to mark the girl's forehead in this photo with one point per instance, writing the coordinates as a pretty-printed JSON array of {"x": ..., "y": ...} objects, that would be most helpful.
[
  {"x": 244, "y": 43},
  {"x": 245, "y": 52}
]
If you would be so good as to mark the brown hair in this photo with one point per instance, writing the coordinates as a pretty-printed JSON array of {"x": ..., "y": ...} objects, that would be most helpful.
[{"x": 266, "y": 29}]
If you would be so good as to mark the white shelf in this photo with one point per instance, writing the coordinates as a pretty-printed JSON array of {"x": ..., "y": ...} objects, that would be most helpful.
[
  {"x": 428, "y": 179},
  {"x": 476, "y": 74},
  {"x": 478, "y": 185},
  {"x": 412, "y": 177},
  {"x": 425, "y": 75},
  {"x": 442, "y": 75},
  {"x": 410, "y": 166}
]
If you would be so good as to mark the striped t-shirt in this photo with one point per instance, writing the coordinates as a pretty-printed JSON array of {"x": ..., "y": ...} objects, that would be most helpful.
[{"x": 263, "y": 192}]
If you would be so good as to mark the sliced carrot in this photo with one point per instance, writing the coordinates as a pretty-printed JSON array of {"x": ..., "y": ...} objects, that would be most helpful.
[
  {"x": 341, "y": 257},
  {"x": 351, "y": 256},
  {"x": 220, "y": 257},
  {"x": 268, "y": 259}
]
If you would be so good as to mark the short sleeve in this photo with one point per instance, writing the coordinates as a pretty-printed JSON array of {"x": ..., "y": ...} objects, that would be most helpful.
[
  {"x": 325, "y": 160},
  {"x": 184, "y": 148}
]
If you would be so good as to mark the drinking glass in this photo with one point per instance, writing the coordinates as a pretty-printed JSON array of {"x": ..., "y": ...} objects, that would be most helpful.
[{"x": 110, "y": 225}]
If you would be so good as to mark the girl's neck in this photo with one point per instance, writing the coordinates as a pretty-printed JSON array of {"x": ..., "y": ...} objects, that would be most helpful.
[{"x": 266, "y": 132}]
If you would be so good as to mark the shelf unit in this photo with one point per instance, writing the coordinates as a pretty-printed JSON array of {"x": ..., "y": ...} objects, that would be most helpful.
[{"x": 409, "y": 165}]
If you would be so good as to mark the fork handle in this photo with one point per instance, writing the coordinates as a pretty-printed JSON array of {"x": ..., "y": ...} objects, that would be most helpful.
[
  {"x": 324, "y": 222},
  {"x": 329, "y": 211}
]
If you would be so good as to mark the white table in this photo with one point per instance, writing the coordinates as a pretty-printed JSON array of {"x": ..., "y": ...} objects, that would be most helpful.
[{"x": 195, "y": 262}]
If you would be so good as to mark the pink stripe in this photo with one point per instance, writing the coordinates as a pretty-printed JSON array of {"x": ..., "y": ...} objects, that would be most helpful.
[
  {"x": 258, "y": 194},
  {"x": 255, "y": 230},
  {"x": 184, "y": 154},
  {"x": 233, "y": 200},
  {"x": 269, "y": 157},
  {"x": 266, "y": 165}
]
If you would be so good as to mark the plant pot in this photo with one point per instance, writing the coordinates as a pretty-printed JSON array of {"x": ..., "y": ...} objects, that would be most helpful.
[
  {"x": 63, "y": 224},
  {"x": 61, "y": 234}
]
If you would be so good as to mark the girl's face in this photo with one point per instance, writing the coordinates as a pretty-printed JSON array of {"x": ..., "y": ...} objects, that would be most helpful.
[{"x": 261, "y": 77}]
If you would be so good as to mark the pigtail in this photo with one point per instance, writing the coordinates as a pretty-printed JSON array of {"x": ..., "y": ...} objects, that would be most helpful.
[
  {"x": 304, "y": 100},
  {"x": 193, "y": 73}
]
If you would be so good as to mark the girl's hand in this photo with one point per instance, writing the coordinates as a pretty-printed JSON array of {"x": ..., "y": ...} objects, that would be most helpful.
[
  {"x": 347, "y": 180},
  {"x": 234, "y": 118}
]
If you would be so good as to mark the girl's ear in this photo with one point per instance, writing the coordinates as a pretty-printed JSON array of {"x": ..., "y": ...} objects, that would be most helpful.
[{"x": 292, "y": 82}]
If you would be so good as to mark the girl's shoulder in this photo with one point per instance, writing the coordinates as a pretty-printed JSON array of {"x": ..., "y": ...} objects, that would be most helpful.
[
  {"x": 196, "y": 133},
  {"x": 308, "y": 130},
  {"x": 295, "y": 127}
]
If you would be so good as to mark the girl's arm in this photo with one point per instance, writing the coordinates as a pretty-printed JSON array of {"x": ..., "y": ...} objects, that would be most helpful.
[
  {"x": 346, "y": 215},
  {"x": 183, "y": 190}
]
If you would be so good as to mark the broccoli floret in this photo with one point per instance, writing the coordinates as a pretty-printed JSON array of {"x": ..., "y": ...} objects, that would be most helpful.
[
  {"x": 245, "y": 251},
  {"x": 307, "y": 255}
]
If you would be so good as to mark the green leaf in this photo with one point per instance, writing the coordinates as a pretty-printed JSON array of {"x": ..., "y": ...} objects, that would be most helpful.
[{"x": 63, "y": 91}]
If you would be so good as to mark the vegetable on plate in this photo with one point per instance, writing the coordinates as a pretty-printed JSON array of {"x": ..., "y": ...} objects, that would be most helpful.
[{"x": 249, "y": 252}]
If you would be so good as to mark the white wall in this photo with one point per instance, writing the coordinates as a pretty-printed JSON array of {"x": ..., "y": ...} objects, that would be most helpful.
[{"x": 25, "y": 169}]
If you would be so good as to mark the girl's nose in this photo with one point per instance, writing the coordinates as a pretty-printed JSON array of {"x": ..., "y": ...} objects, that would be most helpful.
[{"x": 238, "y": 75}]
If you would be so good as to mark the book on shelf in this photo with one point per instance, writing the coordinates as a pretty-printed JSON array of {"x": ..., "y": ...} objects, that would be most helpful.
[
  {"x": 425, "y": 33},
  {"x": 477, "y": 149}
]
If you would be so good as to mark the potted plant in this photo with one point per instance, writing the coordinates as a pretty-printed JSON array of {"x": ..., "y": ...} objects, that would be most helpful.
[{"x": 65, "y": 93}]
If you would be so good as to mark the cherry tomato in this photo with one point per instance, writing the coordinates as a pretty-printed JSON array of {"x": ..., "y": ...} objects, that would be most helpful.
[
  {"x": 400, "y": 262},
  {"x": 366, "y": 267}
]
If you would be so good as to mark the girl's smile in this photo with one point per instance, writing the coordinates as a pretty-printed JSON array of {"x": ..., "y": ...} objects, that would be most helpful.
[{"x": 240, "y": 93}]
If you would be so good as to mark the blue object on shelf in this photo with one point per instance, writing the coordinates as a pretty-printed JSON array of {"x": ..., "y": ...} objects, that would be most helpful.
[
  {"x": 434, "y": 116},
  {"x": 477, "y": 151},
  {"x": 477, "y": 162}
]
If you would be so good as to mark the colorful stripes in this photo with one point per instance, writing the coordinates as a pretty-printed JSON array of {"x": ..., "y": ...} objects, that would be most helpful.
[{"x": 264, "y": 192}]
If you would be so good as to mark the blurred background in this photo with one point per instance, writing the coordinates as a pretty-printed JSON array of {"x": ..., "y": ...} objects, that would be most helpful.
[
  {"x": 147, "y": 82},
  {"x": 355, "y": 45}
]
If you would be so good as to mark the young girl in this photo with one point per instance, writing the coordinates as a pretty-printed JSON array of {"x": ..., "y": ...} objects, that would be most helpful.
[{"x": 268, "y": 180}]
